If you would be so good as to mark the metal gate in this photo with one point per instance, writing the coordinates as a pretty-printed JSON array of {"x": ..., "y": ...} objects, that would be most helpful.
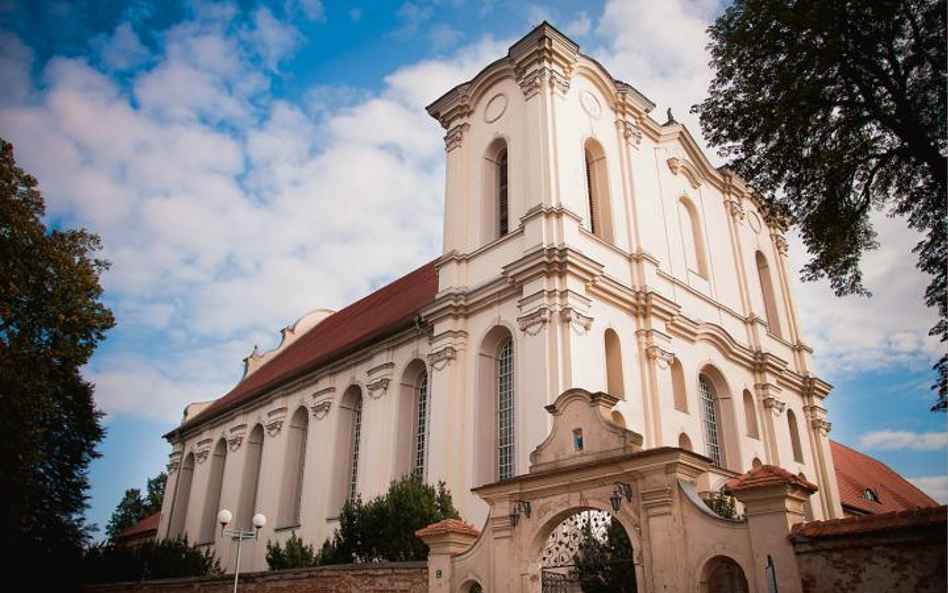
[{"x": 590, "y": 528}]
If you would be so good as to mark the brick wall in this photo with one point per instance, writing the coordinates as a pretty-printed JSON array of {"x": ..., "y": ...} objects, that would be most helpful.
[
  {"x": 396, "y": 577},
  {"x": 892, "y": 553}
]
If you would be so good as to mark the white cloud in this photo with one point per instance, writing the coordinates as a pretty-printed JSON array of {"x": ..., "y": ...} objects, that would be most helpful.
[
  {"x": 123, "y": 50},
  {"x": 580, "y": 25},
  {"x": 883, "y": 440},
  {"x": 228, "y": 214},
  {"x": 312, "y": 9},
  {"x": 934, "y": 486}
]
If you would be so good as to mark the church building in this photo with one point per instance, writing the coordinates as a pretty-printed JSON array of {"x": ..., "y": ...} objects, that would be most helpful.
[{"x": 587, "y": 246}]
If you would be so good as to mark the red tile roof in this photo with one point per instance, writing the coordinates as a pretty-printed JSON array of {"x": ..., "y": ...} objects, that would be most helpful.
[
  {"x": 855, "y": 472},
  {"x": 913, "y": 519},
  {"x": 149, "y": 523},
  {"x": 767, "y": 475},
  {"x": 379, "y": 315},
  {"x": 448, "y": 525}
]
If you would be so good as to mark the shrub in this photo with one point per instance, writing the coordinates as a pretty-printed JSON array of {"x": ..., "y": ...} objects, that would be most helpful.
[
  {"x": 294, "y": 554},
  {"x": 169, "y": 558},
  {"x": 723, "y": 505},
  {"x": 383, "y": 529}
]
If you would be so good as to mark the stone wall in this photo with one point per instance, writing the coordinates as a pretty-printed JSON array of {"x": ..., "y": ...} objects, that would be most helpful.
[
  {"x": 901, "y": 552},
  {"x": 396, "y": 577}
]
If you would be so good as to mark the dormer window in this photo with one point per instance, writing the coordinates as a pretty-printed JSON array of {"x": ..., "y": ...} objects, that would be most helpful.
[{"x": 871, "y": 496}]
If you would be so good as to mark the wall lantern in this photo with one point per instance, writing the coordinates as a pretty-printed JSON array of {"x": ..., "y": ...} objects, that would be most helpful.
[
  {"x": 519, "y": 506},
  {"x": 621, "y": 490}
]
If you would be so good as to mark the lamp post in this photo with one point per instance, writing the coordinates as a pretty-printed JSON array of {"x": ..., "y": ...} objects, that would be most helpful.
[{"x": 224, "y": 517}]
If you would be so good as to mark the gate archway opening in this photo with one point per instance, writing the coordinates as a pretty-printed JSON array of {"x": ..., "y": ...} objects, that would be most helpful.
[
  {"x": 723, "y": 575},
  {"x": 591, "y": 552}
]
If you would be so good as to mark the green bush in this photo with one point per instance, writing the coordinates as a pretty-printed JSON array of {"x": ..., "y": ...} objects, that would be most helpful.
[
  {"x": 605, "y": 566},
  {"x": 294, "y": 554},
  {"x": 383, "y": 529},
  {"x": 723, "y": 505},
  {"x": 108, "y": 563}
]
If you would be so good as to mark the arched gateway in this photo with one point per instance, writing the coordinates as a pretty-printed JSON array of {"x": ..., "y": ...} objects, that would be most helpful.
[{"x": 597, "y": 512}]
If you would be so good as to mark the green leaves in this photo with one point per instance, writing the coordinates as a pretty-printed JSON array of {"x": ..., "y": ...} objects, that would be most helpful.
[
  {"x": 831, "y": 110},
  {"x": 51, "y": 319},
  {"x": 384, "y": 528},
  {"x": 294, "y": 554}
]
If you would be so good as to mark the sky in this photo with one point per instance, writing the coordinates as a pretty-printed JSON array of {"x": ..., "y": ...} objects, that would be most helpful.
[{"x": 220, "y": 150}]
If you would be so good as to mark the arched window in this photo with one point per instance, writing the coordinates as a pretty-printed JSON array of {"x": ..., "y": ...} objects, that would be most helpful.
[
  {"x": 496, "y": 190},
  {"x": 291, "y": 494},
  {"x": 684, "y": 442},
  {"x": 495, "y": 408},
  {"x": 505, "y": 412},
  {"x": 692, "y": 239},
  {"x": 412, "y": 439},
  {"x": 678, "y": 386},
  {"x": 767, "y": 290},
  {"x": 182, "y": 494},
  {"x": 709, "y": 419},
  {"x": 597, "y": 191},
  {"x": 212, "y": 501},
  {"x": 348, "y": 437},
  {"x": 723, "y": 574},
  {"x": 750, "y": 415},
  {"x": 615, "y": 383},
  {"x": 250, "y": 481},
  {"x": 794, "y": 437}
]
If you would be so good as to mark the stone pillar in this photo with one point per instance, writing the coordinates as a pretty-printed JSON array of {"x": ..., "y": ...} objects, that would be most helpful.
[
  {"x": 445, "y": 540},
  {"x": 773, "y": 501}
]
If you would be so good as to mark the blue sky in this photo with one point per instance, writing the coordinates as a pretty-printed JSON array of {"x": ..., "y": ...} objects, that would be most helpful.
[{"x": 209, "y": 144}]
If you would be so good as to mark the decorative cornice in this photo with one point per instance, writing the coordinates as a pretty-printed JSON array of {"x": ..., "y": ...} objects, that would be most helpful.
[
  {"x": 630, "y": 131},
  {"x": 378, "y": 388},
  {"x": 273, "y": 426},
  {"x": 535, "y": 81},
  {"x": 821, "y": 425},
  {"x": 690, "y": 172},
  {"x": 534, "y": 322},
  {"x": 663, "y": 358},
  {"x": 234, "y": 442},
  {"x": 580, "y": 322},
  {"x": 454, "y": 136},
  {"x": 321, "y": 409},
  {"x": 441, "y": 358},
  {"x": 780, "y": 242},
  {"x": 735, "y": 209}
]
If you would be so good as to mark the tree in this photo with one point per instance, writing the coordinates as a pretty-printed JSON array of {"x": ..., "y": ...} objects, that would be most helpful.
[
  {"x": 832, "y": 110},
  {"x": 605, "y": 566},
  {"x": 164, "y": 559},
  {"x": 133, "y": 507},
  {"x": 51, "y": 320},
  {"x": 384, "y": 528},
  {"x": 295, "y": 554}
]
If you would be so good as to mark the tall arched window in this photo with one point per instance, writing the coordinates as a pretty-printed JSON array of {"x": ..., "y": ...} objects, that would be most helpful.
[
  {"x": 412, "y": 431},
  {"x": 212, "y": 501},
  {"x": 347, "y": 447},
  {"x": 597, "y": 191},
  {"x": 750, "y": 415},
  {"x": 505, "y": 412},
  {"x": 794, "y": 437},
  {"x": 250, "y": 481},
  {"x": 182, "y": 494},
  {"x": 692, "y": 239},
  {"x": 291, "y": 493},
  {"x": 678, "y": 386},
  {"x": 767, "y": 290},
  {"x": 709, "y": 419},
  {"x": 496, "y": 195},
  {"x": 495, "y": 408},
  {"x": 615, "y": 384}
]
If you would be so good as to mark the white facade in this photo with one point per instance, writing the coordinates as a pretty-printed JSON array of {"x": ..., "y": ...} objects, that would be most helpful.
[{"x": 676, "y": 281}]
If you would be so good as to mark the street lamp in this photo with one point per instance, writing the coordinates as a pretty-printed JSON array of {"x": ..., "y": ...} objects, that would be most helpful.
[{"x": 224, "y": 517}]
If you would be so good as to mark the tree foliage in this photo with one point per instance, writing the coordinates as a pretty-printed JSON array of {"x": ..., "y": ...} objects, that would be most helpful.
[
  {"x": 834, "y": 109},
  {"x": 51, "y": 319},
  {"x": 605, "y": 566},
  {"x": 723, "y": 505},
  {"x": 165, "y": 559},
  {"x": 293, "y": 554},
  {"x": 134, "y": 507},
  {"x": 383, "y": 529}
]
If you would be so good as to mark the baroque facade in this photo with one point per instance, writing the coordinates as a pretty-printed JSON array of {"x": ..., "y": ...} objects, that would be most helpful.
[{"x": 586, "y": 245}]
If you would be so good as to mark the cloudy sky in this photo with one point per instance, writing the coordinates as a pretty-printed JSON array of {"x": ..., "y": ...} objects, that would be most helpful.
[{"x": 221, "y": 148}]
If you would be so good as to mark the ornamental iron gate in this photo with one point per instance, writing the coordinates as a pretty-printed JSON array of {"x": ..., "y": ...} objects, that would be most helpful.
[{"x": 588, "y": 545}]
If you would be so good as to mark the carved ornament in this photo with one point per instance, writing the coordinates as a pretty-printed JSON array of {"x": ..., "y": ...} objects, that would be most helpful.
[
  {"x": 663, "y": 358},
  {"x": 580, "y": 322},
  {"x": 822, "y": 425},
  {"x": 273, "y": 427},
  {"x": 630, "y": 131},
  {"x": 535, "y": 322},
  {"x": 234, "y": 442},
  {"x": 321, "y": 409},
  {"x": 440, "y": 358},
  {"x": 378, "y": 388},
  {"x": 775, "y": 405}
]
